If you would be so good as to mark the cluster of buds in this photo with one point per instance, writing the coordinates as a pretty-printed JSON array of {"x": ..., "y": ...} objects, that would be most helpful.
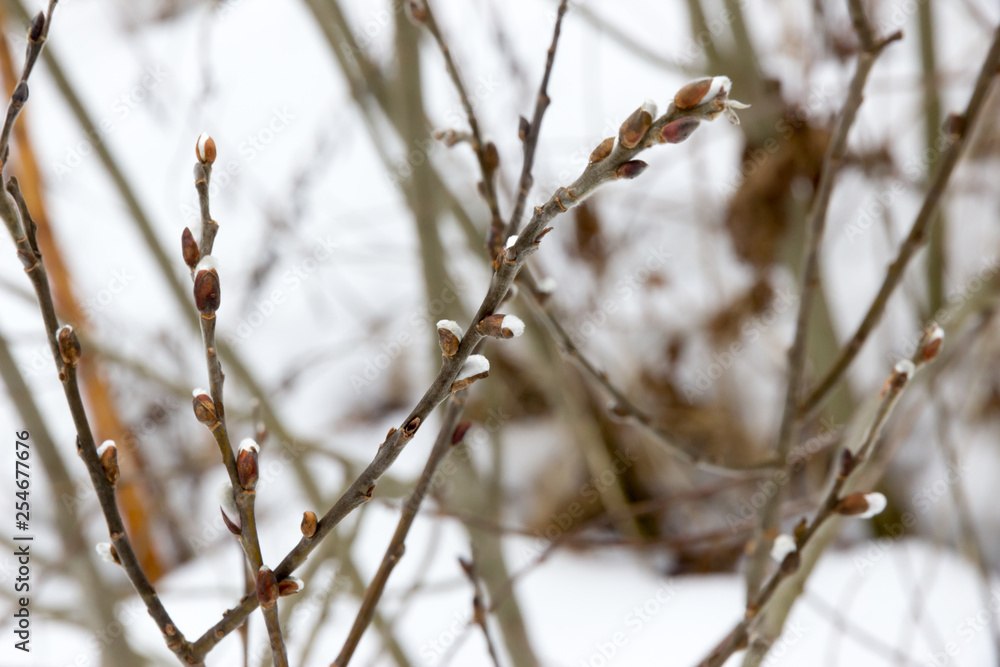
[
  {"x": 449, "y": 337},
  {"x": 247, "y": 465},
  {"x": 69, "y": 346},
  {"x": 227, "y": 505},
  {"x": 861, "y": 505},
  {"x": 501, "y": 326},
  {"x": 267, "y": 588},
  {"x": 207, "y": 290},
  {"x": 309, "y": 523},
  {"x": 108, "y": 454},
  {"x": 710, "y": 96},
  {"x": 477, "y": 367},
  {"x": 204, "y": 149}
]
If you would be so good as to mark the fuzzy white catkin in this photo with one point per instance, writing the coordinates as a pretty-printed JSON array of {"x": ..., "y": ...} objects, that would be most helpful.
[
  {"x": 876, "y": 503},
  {"x": 298, "y": 582},
  {"x": 202, "y": 140},
  {"x": 207, "y": 263},
  {"x": 228, "y": 502},
  {"x": 103, "y": 550},
  {"x": 477, "y": 364},
  {"x": 105, "y": 446},
  {"x": 783, "y": 545},
  {"x": 248, "y": 443},
  {"x": 906, "y": 367},
  {"x": 514, "y": 323},
  {"x": 452, "y": 326},
  {"x": 511, "y": 241},
  {"x": 198, "y": 392},
  {"x": 719, "y": 84},
  {"x": 649, "y": 106}
]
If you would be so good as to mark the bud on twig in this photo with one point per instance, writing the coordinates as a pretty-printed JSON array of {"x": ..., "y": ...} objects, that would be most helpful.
[
  {"x": 861, "y": 505},
  {"x": 901, "y": 374},
  {"x": 449, "y": 337},
  {"x": 290, "y": 586},
  {"x": 491, "y": 157},
  {"x": 205, "y": 149},
  {"x": 37, "y": 27},
  {"x": 247, "y": 465},
  {"x": 108, "y": 454},
  {"x": 509, "y": 254},
  {"x": 635, "y": 127},
  {"x": 189, "y": 248},
  {"x": 69, "y": 346},
  {"x": 678, "y": 130},
  {"x": 416, "y": 12},
  {"x": 107, "y": 552},
  {"x": 207, "y": 290},
  {"x": 476, "y": 367},
  {"x": 460, "y": 430},
  {"x": 267, "y": 588},
  {"x": 932, "y": 342},
  {"x": 783, "y": 546},
  {"x": 230, "y": 512},
  {"x": 631, "y": 169},
  {"x": 603, "y": 150},
  {"x": 501, "y": 326},
  {"x": 204, "y": 408},
  {"x": 308, "y": 525},
  {"x": 711, "y": 97}
]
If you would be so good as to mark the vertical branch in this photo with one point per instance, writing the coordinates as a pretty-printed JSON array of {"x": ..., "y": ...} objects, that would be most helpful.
[
  {"x": 531, "y": 131},
  {"x": 815, "y": 226}
]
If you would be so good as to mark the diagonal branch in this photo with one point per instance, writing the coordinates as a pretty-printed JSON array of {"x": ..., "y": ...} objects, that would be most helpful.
[{"x": 918, "y": 233}]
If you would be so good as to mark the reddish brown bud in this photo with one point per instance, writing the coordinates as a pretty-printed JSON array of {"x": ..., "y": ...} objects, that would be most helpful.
[
  {"x": 189, "y": 248},
  {"x": 69, "y": 346},
  {"x": 692, "y": 94},
  {"x": 631, "y": 169},
  {"x": 932, "y": 342},
  {"x": 635, "y": 127},
  {"x": 37, "y": 27},
  {"x": 108, "y": 454},
  {"x": 861, "y": 505},
  {"x": 678, "y": 130},
  {"x": 230, "y": 526},
  {"x": 603, "y": 150},
  {"x": 501, "y": 326},
  {"x": 290, "y": 586},
  {"x": 309, "y": 523},
  {"x": 204, "y": 149},
  {"x": 449, "y": 337},
  {"x": 207, "y": 290},
  {"x": 491, "y": 157},
  {"x": 523, "y": 128},
  {"x": 267, "y": 588},
  {"x": 411, "y": 427},
  {"x": 204, "y": 408},
  {"x": 247, "y": 465},
  {"x": 460, "y": 431}
]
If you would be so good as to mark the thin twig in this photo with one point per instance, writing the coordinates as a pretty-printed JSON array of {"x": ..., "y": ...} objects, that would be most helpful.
[
  {"x": 533, "y": 129},
  {"x": 918, "y": 233},
  {"x": 245, "y": 497},
  {"x": 850, "y": 466},
  {"x": 397, "y": 546},
  {"x": 815, "y": 227},
  {"x": 479, "y": 606},
  {"x": 487, "y": 163}
]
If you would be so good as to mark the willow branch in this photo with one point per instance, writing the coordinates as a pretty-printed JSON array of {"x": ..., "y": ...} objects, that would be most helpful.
[
  {"x": 532, "y": 130},
  {"x": 815, "y": 227},
  {"x": 918, "y": 232},
  {"x": 244, "y": 493},
  {"x": 615, "y": 164},
  {"x": 397, "y": 546}
]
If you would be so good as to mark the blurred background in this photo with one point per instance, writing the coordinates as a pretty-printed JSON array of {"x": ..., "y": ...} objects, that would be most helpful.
[{"x": 347, "y": 231}]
